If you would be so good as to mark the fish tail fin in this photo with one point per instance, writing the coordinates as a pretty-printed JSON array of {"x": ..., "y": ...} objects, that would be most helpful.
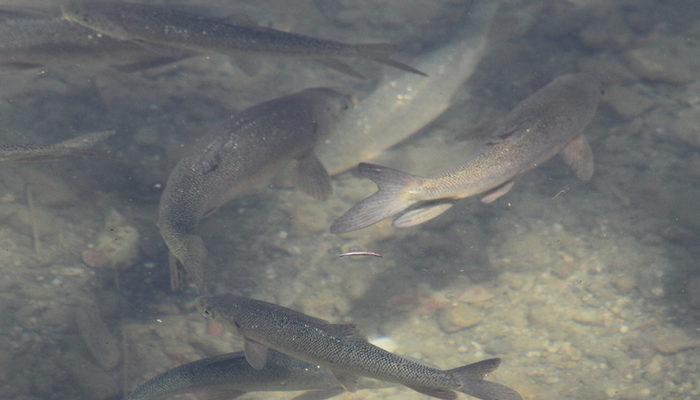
[
  {"x": 391, "y": 198},
  {"x": 380, "y": 53},
  {"x": 471, "y": 380},
  {"x": 191, "y": 252}
]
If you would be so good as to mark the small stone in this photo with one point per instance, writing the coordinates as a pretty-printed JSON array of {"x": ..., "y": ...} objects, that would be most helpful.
[
  {"x": 692, "y": 287},
  {"x": 457, "y": 318},
  {"x": 686, "y": 127},
  {"x": 103, "y": 345},
  {"x": 476, "y": 294},
  {"x": 669, "y": 61},
  {"x": 624, "y": 283},
  {"x": 588, "y": 317},
  {"x": 626, "y": 102},
  {"x": 670, "y": 340}
]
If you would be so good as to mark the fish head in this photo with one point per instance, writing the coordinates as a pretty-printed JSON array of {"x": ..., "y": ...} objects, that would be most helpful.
[
  {"x": 229, "y": 309},
  {"x": 98, "y": 16},
  {"x": 329, "y": 106}
]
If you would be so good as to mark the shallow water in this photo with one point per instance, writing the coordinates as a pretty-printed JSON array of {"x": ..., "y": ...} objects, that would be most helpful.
[{"x": 585, "y": 290}]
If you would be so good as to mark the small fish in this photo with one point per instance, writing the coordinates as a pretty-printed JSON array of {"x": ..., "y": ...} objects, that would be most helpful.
[
  {"x": 81, "y": 145},
  {"x": 229, "y": 376},
  {"x": 547, "y": 123},
  {"x": 342, "y": 349},
  {"x": 236, "y": 159},
  {"x": 35, "y": 42},
  {"x": 163, "y": 28},
  {"x": 359, "y": 253}
]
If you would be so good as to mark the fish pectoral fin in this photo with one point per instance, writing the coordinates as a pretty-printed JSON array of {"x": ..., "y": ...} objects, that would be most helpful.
[
  {"x": 255, "y": 354},
  {"x": 578, "y": 155},
  {"x": 149, "y": 63},
  {"x": 347, "y": 380},
  {"x": 344, "y": 330},
  {"x": 432, "y": 392},
  {"x": 319, "y": 394},
  {"x": 175, "y": 278},
  {"x": 420, "y": 215},
  {"x": 313, "y": 177},
  {"x": 494, "y": 194}
]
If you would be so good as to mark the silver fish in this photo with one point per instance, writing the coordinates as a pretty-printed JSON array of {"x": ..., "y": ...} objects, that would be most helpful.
[
  {"x": 239, "y": 157},
  {"x": 35, "y": 42},
  {"x": 230, "y": 376},
  {"x": 75, "y": 146},
  {"x": 547, "y": 123},
  {"x": 341, "y": 348},
  {"x": 161, "y": 28}
]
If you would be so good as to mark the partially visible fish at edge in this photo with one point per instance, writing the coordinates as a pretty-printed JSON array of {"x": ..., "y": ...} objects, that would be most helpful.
[
  {"x": 81, "y": 145},
  {"x": 403, "y": 104},
  {"x": 230, "y": 376},
  {"x": 162, "y": 29}
]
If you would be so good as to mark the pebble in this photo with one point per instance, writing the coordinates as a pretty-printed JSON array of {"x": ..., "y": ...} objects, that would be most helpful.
[
  {"x": 475, "y": 294},
  {"x": 686, "y": 127},
  {"x": 692, "y": 288},
  {"x": 588, "y": 317},
  {"x": 668, "y": 61},
  {"x": 457, "y": 318},
  {"x": 626, "y": 102},
  {"x": 671, "y": 340},
  {"x": 624, "y": 283}
]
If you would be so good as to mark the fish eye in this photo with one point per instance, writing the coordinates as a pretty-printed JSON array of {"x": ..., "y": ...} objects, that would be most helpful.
[{"x": 206, "y": 313}]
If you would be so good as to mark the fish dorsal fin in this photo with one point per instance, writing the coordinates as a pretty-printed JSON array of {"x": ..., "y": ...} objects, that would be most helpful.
[
  {"x": 319, "y": 394},
  {"x": 346, "y": 379},
  {"x": 496, "y": 193},
  {"x": 578, "y": 155},
  {"x": 420, "y": 215},
  {"x": 344, "y": 330},
  {"x": 255, "y": 354},
  {"x": 313, "y": 177},
  {"x": 437, "y": 393}
]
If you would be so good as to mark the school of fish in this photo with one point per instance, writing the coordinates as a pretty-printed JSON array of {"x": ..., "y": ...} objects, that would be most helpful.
[{"x": 286, "y": 349}]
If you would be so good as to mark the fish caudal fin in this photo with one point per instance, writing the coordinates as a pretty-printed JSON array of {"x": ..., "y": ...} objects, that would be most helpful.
[
  {"x": 471, "y": 380},
  {"x": 380, "y": 52},
  {"x": 391, "y": 198}
]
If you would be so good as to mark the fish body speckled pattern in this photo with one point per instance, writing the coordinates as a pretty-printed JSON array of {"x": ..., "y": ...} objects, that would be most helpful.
[
  {"x": 341, "y": 348},
  {"x": 241, "y": 156},
  {"x": 547, "y": 123},
  {"x": 164, "y": 28}
]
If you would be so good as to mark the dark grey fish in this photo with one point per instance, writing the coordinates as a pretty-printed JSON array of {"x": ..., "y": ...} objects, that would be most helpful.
[
  {"x": 165, "y": 27},
  {"x": 35, "y": 42},
  {"x": 239, "y": 157},
  {"x": 342, "y": 349},
  {"x": 547, "y": 123},
  {"x": 75, "y": 146},
  {"x": 229, "y": 376}
]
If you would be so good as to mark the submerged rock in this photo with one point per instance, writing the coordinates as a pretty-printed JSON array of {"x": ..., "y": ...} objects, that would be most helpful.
[{"x": 457, "y": 318}]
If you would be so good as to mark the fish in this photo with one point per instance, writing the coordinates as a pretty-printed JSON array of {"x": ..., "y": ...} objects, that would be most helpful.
[
  {"x": 228, "y": 376},
  {"x": 402, "y": 105},
  {"x": 342, "y": 349},
  {"x": 547, "y": 123},
  {"x": 27, "y": 43},
  {"x": 164, "y": 28},
  {"x": 239, "y": 156},
  {"x": 81, "y": 145}
]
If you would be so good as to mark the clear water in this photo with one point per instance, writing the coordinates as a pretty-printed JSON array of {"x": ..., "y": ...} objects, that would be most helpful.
[{"x": 585, "y": 290}]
